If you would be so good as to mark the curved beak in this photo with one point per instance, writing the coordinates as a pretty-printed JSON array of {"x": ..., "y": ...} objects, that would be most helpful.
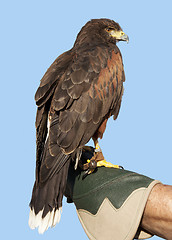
[
  {"x": 124, "y": 37},
  {"x": 120, "y": 35}
]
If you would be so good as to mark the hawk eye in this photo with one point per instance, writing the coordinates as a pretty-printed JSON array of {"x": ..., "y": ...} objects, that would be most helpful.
[{"x": 108, "y": 29}]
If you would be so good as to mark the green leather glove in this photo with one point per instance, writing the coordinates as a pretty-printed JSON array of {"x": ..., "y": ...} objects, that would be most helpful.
[{"x": 109, "y": 202}]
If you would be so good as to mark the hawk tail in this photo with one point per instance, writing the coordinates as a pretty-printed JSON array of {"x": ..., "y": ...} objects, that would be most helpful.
[{"x": 46, "y": 201}]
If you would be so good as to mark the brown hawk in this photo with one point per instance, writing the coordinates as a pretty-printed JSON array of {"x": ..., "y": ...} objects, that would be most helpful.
[{"x": 78, "y": 93}]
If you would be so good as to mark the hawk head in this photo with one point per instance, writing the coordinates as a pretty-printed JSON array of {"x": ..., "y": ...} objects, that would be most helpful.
[{"x": 101, "y": 30}]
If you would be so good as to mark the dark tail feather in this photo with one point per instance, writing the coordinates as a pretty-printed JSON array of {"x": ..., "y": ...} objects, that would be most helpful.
[{"x": 46, "y": 202}]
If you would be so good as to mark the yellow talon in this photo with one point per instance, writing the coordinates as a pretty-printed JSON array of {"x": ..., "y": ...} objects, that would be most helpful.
[
  {"x": 106, "y": 164},
  {"x": 93, "y": 164},
  {"x": 97, "y": 160},
  {"x": 90, "y": 170}
]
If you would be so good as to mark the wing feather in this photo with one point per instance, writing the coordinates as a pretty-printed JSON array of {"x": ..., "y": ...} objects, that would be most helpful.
[
  {"x": 52, "y": 77},
  {"x": 66, "y": 120}
]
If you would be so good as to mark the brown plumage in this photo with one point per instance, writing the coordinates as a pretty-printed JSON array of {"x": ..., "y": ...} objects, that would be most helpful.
[{"x": 76, "y": 96}]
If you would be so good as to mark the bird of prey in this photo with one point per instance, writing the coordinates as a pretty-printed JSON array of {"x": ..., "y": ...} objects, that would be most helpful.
[{"x": 79, "y": 92}]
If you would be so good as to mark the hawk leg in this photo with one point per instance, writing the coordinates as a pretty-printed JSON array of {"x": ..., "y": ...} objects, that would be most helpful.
[
  {"x": 97, "y": 160},
  {"x": 102, "y": 162}
]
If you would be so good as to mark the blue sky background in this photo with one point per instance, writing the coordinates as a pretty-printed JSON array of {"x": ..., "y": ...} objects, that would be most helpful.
[{"x": 33, "y": 34}]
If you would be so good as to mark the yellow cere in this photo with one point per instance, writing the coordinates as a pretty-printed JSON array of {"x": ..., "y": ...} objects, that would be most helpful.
[{"x": 117, "y": 34}]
